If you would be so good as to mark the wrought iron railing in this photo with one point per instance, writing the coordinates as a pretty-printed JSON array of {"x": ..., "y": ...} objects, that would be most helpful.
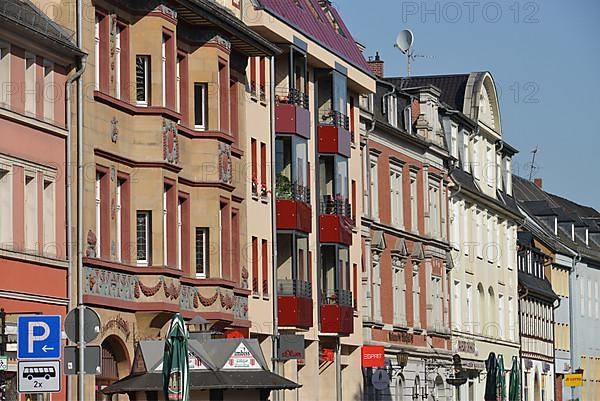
[
  {"x": 339, "y": 206},
  {"x": 336, "y": 297},
  {"x": 292, "y": 96},
  {"x": 294, "y": 288},
  {"x": 335, "y": 118}
]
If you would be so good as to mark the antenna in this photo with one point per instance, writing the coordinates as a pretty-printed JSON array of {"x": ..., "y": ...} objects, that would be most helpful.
[
  {"x": 404, "y": 42},
  {"x": 533, "y": 167}
]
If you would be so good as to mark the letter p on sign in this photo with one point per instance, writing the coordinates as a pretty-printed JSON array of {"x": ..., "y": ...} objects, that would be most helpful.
[{"x": 41, "y": 337}]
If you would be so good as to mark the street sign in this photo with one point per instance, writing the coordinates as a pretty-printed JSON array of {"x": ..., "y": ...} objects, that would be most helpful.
[
  {"x": 38, "y": 337},
  {"x": 91, "y": 325},
  {"x": 3, "y": 363},
  {"x": 380, "y": 379},
  {"x": 38, "y": 376},
  {"x": 92, "y": 360},
  {"x": 574, "y": 380}
]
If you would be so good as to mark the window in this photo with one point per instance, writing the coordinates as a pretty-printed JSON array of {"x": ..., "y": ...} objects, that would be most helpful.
[
  {"x": 396, "y": 195},
  {"x": 479, "y": 232},
  {"x": 454, "y": 140},
  {"x": 253, "y": 76},
  {"x": 470, "y": 308},
  {"x": 263, "y": 79},
  {"x": 202, "y": 250},
  {"x": 416, "y": 296},
  {"x": 393, "y": 111},
  {"x": 414, "y": 224},
  {"x": 501, "y": 317},
  {"x": 467, "y": 212},
  {"x": 142, "y": 80},
  {"x": 457, "y": 310},
  {"x": 31, "y": 213},
  {"x": 178, "y": 84},
  {"x": 165, "y": 230},
  {"x": 511, "y": 320},
  {"x": 119, "y": 218},
  {"x": 434, "y": 210},
  {"x": 466, "y": 158},
  {"x": 6, "y": 215},
  {"x": 223, "y": 97},
  {"x": 254, "y": 265},
  {"x": 508, "y": 172},
  {"x": 49, "y": 226},
  {"x": 143, "y": 237},
  {"x": 376, "y": 278},
  {"x": 265, "y": 267},
  {"x": 163, "y": 49},
  {"x": 97, "y": 22},
  {"x": 263, "y": 165},
  {"x": 254, "y": 166},
  {"x": 179, "y": 232},
  {"x": 399, "y": 293},
  {"x": 4, "y": 71},
  {"x": 374, "y": 188},
  {"x": 48, "y": 91},
  {"x": 200, "y": 105},
  {"x": 30, "y": 83},
  {"x": 365, "y": 182},
  {"x": 489, "y": 168},
  {"x": 98, "y": 193},
  {"x": 118, "y": 63}
]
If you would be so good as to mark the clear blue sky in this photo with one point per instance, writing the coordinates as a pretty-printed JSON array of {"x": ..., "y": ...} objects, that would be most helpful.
[{"x": 544, "y": 56}]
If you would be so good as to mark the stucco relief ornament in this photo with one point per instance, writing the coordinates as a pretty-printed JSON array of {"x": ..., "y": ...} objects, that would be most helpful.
[
  {"x": 90, "y": 251},
  {"x": 114, "y": 130},
  {"x": 225, "y": 163},
  {"x": 170, "y": 142},
  {"x": 113, "y": 46}
]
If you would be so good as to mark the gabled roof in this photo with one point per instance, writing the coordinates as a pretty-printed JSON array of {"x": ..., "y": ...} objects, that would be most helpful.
[
  {"x": 537, "y": 286},
  {"x": 309, "y": 18},
  {"x": 23, "y": 16}
]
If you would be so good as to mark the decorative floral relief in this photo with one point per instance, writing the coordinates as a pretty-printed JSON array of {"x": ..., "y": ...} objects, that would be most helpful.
[
  {"x": 225, "y": 163},
  {"x": 170, "y": 142}
]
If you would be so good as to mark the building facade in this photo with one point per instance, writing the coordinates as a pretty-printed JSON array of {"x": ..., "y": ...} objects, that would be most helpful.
[
  {"x": 318, "y": 78},
  {"x": 537, "y": 301},
  {"x": 405, "y": 274},
  {"x": 483, "y": 223},
  {"x": 36, "y": 58}
]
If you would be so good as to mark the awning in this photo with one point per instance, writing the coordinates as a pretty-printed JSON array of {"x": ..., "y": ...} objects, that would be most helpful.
[{"x": 205, "y": 380}]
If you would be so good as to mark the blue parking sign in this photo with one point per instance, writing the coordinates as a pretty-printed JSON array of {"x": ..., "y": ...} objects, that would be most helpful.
[{"x": 38, "y": 337}]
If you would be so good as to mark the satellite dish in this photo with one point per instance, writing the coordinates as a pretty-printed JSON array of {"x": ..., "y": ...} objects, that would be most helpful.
[{"x": 404, "y": 40}]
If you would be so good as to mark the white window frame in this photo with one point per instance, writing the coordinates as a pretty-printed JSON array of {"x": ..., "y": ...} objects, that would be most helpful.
[
  {"x": 396, "y": 201},
  {"x": 469, "y": 301},
  {"x": 178, "y": 84},
  {"x": 118, "y": 63},
  {"x": 374, "y": 186},
  {"x": 98, "y": 193},
  {"x": 205, "y": 247},
  {"x": 393, "y": 110},
  {"x": 376, "y": 277},
  {"x": 399, "y": 295},
  {"x": 147, "y": 237},
  {"x": 49, "y": 215},
  {"x": 30, "y": 84},
  {"x": 6, "y": 203},
  {"x": 31, "y": 211},
  {"x": 5, "y": 71},
  {"x": 48, "y": 90},
  {"x": 146, "y": 63},
  {"x": 97, "y": 52},
  {"x": 179, "y": 232},
  {"x": 204, "y": 97},
  {"x": 164, "y": 69},
  {"x": 416, "y": 297},
  {"x": 414, "y": 203},
  {"x": 119, "y": 201},
  {"x": 454, "y": 140},
  {"x": 457, "y": 307},
  {"x": 165, "y": 227},
  {"x": 466, "y": 149}
]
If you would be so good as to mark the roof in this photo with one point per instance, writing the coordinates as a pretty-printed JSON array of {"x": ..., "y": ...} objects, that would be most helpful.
[
  {"x": 453, "y": 87},
  {"x": 537, "y": 286},
  {"x": 23, "y": 15},
  {"x": 205, "y": 380},
  {"x": 308, "y": 17}
]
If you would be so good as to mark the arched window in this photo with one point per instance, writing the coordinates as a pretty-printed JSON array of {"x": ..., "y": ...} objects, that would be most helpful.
[
  {"x": 399, "y": 389},
  {"x": 481, "y": 308}
]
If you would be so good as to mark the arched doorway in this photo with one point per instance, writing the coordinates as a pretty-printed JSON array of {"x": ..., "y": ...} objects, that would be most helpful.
[
  {"x": 399, "y": 388},
  {"x": 115, "y": 365}
]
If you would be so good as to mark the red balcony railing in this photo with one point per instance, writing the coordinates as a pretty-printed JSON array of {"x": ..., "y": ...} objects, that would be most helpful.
[
  {"x": 337, "y": 315},
  {"x": 295, "y": 305}
]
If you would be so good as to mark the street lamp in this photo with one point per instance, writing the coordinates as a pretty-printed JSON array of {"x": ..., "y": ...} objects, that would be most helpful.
[{"x": 402, "y": 359}]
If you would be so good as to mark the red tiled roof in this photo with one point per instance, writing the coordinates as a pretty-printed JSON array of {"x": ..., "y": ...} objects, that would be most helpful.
[{"x": 319, "y": 29}]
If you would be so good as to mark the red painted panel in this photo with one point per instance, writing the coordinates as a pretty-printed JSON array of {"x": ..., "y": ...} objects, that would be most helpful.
[
  {"x": 292, "y": 119},
  {"x": 335, "y": 229},
  {"x": 337, "y": 319},
  {"x": 49, "y": 281},
  {"x": 334, "y": 140},
  {"x": 295, "y": 311},
  {"x": 294, "y": 215}
]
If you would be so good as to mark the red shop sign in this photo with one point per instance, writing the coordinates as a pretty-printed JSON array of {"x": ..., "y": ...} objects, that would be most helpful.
[{"x": 373, "y": 356}]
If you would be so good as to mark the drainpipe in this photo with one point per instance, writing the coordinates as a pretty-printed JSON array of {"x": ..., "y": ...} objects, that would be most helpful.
[
  {"x": 338, "y": 369},
  {"x": 69, "y": 178},
  {"x": 275, "y": 337},
  {"x": 572, "y": 278},
  {"x": 81, "y": 375}
]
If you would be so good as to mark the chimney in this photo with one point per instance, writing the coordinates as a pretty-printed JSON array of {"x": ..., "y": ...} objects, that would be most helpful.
[
  {"x": 538, "y": 182},
  {"x": 376, "y": 65}
]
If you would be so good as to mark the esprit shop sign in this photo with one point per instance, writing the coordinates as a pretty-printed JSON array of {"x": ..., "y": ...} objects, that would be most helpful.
[{"x": 372, "y": 356}]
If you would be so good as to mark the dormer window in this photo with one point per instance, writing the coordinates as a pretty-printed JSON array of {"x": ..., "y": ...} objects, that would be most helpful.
[
  {"x": 392, "y": 110},
  {"x": 454, "y": 141},
  {"x": 326, "y": 7},
  {"x": 508, "y": 175}
]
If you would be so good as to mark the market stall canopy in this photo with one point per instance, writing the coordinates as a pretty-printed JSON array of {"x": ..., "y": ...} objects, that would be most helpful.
[{"x": 218, "y": 364}]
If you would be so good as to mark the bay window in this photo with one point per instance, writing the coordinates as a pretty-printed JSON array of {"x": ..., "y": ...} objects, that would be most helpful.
[
  {"x": 333, "y": 185},
  {"x": 291, "y": 166},
  {"x": 293, "y": 275},
  {"x": 335, "y": 275}
]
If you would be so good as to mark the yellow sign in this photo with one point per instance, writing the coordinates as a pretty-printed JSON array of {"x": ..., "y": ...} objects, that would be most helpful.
[{"x": 574, "y": 380}]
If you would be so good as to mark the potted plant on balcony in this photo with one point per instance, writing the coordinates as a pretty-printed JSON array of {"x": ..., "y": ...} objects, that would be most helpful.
[
  {"x": 254, "y": 187},
  {"x": 283, "y": 188},
  {"x": 264, "y": 192}
]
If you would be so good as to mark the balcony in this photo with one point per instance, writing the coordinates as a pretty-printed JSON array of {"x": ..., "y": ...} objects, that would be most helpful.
[
  {"x": 293, "y": 207},
  {"x": 295, "y": 305},
  {"x": 335, "y": 220},
  {"x": 291, "y": 113},
  {"x": 337, "y": 315},
  {"x": 334, "y": 133}
]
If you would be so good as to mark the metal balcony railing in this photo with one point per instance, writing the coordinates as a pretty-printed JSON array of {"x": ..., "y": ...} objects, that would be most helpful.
[
  {"x": 336, "y": 297},
  {"x": 339, "y": 206},
  {"x": 284, "y": 190},
  {"x": 335, "y": 118},
  {"x": 292, "y": 96},
  {"x": 294, "y": 288}
]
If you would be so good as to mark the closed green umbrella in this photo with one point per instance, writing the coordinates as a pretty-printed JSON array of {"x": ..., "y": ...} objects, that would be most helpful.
[
  {"x": 515, "y": 378},
  {"x": 500, "y": 379},
  {"x": 175, "y": 362}
]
